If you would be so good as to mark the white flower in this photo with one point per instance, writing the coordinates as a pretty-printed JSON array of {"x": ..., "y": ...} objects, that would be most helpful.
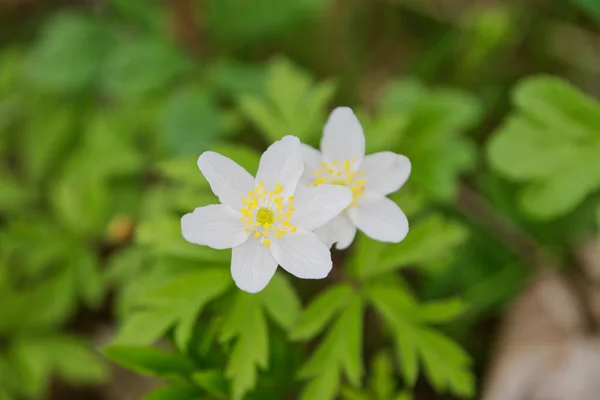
[
  {"x": 342, "y": 161},
  {"x": 266, "y": 220}
]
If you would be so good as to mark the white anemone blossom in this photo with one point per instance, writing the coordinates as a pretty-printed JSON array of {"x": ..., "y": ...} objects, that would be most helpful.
[
  {"x": 342, "y": 161},
  {"x": 268, "y": 220}
]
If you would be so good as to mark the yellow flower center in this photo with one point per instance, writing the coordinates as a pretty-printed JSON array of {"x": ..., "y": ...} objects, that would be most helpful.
[
  {"x": 264, "y": 216},
  {"x": 342, "y": 173},
  {"x": 267, "y": 212}
]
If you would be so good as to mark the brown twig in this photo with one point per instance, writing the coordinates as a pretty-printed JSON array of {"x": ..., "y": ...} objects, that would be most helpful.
[
  {"x": 514, "y": 238},
  {"x": 186, "y": 26},
  {"x": 525, "y": 247}
]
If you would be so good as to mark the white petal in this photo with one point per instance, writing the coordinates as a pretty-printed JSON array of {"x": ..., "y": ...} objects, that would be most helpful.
[
  {"x": 379, "y": 218},
  {"x": 216, "y": 226},
  {"x": 385, "y": 172},
  {"x": 315, "y": 206},
  {"x": 312, "y": 158},
  {"x": 281, "y": 163},
  {"x": 326, "y": 234},
  {"x": 343, "y": 137},
  {"x": 252, "y": 266},
  {"x": 302, "y": 254},
  {"x": 345, "y": 232},
  {"x": 340, "y": 230},
  {"x": 229, "y": 181}
]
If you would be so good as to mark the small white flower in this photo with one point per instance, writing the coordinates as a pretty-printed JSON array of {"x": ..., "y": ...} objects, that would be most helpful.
[
  {"x": 342, "y": 161},
  {"x": 268, "y": 220}
]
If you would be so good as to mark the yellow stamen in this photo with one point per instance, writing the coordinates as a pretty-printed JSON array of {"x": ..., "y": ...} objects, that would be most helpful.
[{"x": 263, "y": 213}]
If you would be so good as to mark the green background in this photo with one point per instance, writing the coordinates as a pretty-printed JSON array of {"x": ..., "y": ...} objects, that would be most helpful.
[{"x": 105, "y": 106}]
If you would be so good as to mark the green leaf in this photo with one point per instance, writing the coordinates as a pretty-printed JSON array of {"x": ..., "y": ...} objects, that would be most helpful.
[
  {"x": 80, "y": 204},
  {"x": 4, "y": 395},
  {"x": 175, "y": 393},
  {"x": 407, "y": 355},
  {"x": 238, "y": 79},
  {"x": 184, "y": 170},
  {"x": 523, "y": 149},
  {"x": 187, "y": 199},
  {"x": 14, "y": 194},
  {"x": 366, "y": 256},
  {"x": 324, "y": 386},
  {"x": 87, "y": 278},
  {"x": 212, "y": 381},
  {"x": 259, "y": 22},
  {"x": 150, "y": 361},
  {"x": 37, "y": 358},
  {"x": 382, "y": 382},
  {"x": 175, "y": 300},
  {"x": 384, "y": 131},
  {"x": 210, "y": 335},
  {"x": 11, "y": 110},
  {"x": 242, "y": 155},
  {"x": 441, "y": 311},
  {"x": 148, "y": 13},
  {"x": 551, "y": 143},
  {"x": 433, "y": 137},
  {"x": 494, "y": 289},
  {"x": 45, "y": 136},
  {"x": 399, "y": 311},
  {"x": 247, "y": 324},
  {"x": 402, "y": 95},
  {"x": 429, "y": 240},
  {"x": 591, "y": 6},
  {"x": 184, "y": 330},
  {"x": 107, "y": 133},
  {"x": 280, "y": 300},
  {"x": 349, "y": 393},
  {"x": 137, "y": 69},
  {"x": 28, "y": 364},
  {"x": 74, "y": 360},
  {"x": 558, "y": 104},
  {"x": 40, "y": 307},
  {"x": 340, "y": 351},
  {"x": 286, "y": 86},
  {"x": 145, "y": 327},
  {"x": 124, "y": 266},
  {"x": 444, "y": 362},
  {"x": 10, "y": 64},
  {"x": 80, "y": 196},
  {"x": 404, "y": 395},
  {"x": 190, "y": 122},
  {"x": 565, "y": 190},
  {"x": 455, "y": 111},
  {"x": 200, "y": 285},
  {"x": 392, "y": 301},
  {"x": 260, "y": 115},
  {"x": 292, "y": 104},
  {"x": 68, "y": 54},
  {"x": 231, "y": 123},
  {"x": 486, "y": 35},
  {"x": 352, "y": 319},
  {"x": 322, "y": 310},
  {"x": 162, "y": 236},
  {"x": 451, "y": 373}
]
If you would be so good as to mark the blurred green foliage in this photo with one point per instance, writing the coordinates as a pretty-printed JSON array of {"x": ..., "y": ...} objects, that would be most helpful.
[
  {"x": 552, "y": 141},
  {"x": 104, "y": 109}
]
